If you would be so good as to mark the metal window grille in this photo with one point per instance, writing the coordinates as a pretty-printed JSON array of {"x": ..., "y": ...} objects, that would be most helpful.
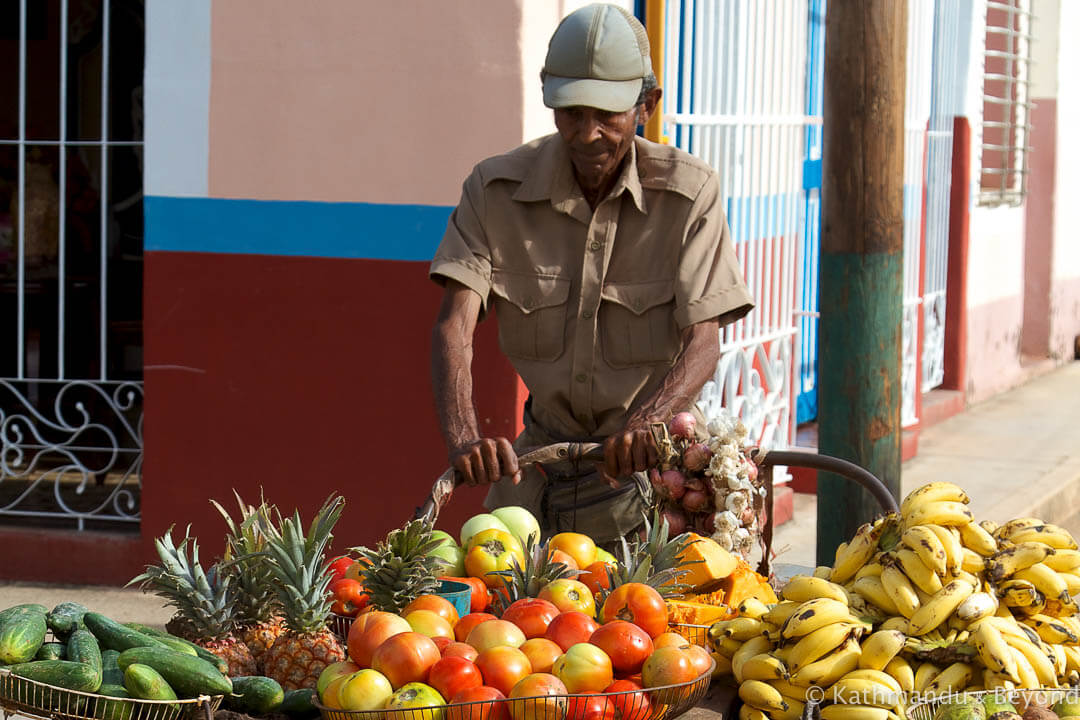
[
  {"x": 71, "y": 139},
  {"x": 1006, "y": 103}
]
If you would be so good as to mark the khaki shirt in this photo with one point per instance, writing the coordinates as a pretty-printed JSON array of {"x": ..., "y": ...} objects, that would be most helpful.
[{"x": 590, "y": 304}]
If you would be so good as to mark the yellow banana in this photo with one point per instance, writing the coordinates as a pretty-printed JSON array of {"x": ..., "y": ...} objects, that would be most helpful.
[
  {"x": 977, "y": 606},
  {"x": 823, "y": 572},
  {"x": 840, "y": 711},
  {"x": 1056, "y": 537},
  {"x": 943, "y": 512},
  {"x": 901, "y": 671},
  {"x": 938, "y": 608},
  {"x": 900, "y": 590},
  {"x": 856, "y": 553},
  {"x": 858, "y": 691},
  {"x": 976, "y": 539},
  {"x": 994, "y": 651},
  {"x": 829, "y": 669},
  {"x": 952, "y": 679},
  {"x": 1040, "y": 663},
  {"x": 1016, "y": 524},
  {"x": 1056, "y": 653},
  {"x": 1072, "y": 658},
  {"x": 763, "y": 667},
  {"x": 723, "y": 664},
  {"x": 869, "y": 569},
  {"x": 750, "y": 648},
  {"x": 924, "y": 675},
  {"x": 1063, "y": 560},
  {"x": 802, "y": 588},
  {"x": 972, "y": 562},
  {"x": 795, "y": 709},
  {"x": 872, "y": 590},
  {"x": 989, "y": 526},
  {"x": 783, "y": 654},
  {"x": 751, "y": 713},
  {"x": 1028, "y": 678},
  {"x": 997, "y": 681},
  {"x": 933, "y": 492},
  {"x": 1005, "y": 563},
  {"x": 1045, "y": 580},
  {"x": 896, "y": 622},
  {"x": 753, "y": 608},
  {"x": 922, "y": 576},
  {"x": 925, "y": 543},
  {"x": 880, "y": 648},
  {"x": 1019, "y": 593},
  {"x": 789, "y": 691},
  {"x": 780, "y": 612},
  {"x": 761, "y": 695},
  {"x": 1052, "y": 630},
  {"x": 812, "y": 615},
  {"x": 817, "y": 644},
  {"x": 954, "y": 550},
  {"x": 1072, "y": 623},
  {"x": 726, "y": 646}
]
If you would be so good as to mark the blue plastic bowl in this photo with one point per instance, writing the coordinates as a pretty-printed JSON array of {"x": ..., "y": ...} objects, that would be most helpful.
[{"x": 458, "y": 593}]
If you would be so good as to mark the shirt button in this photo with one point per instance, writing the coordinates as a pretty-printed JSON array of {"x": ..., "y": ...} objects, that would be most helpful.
[
  {"x": 581, "y": 377},
  {"x": 587, "y": 314},
  {"x": 594, "y": 245}
]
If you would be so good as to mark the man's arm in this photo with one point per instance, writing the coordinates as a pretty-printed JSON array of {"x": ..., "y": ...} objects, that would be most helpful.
[
  {"x": 479, "y": 460},
  {"x": 633, "y": 449}
]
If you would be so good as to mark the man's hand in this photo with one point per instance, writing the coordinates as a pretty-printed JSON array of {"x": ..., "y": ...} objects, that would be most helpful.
[
  {"x": 486, "y": 461},
  {"x": 633, "y": 449}
]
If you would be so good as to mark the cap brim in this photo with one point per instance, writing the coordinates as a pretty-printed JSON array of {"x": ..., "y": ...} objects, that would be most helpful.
[{"x": 609, "y": 95}]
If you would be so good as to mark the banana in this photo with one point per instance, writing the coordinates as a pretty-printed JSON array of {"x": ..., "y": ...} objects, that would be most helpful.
[
  {"x": 829, "y": 669},
  {"x": 764, "y": 667},
  {"x": 872, "y": 590},
  {"x": 942, "y": 512},
  {"x": 817, "y": 644},
  {"x": 997, "y": 681},
  {"x": 897, "y": 622},
  {"x": 789, "y": 691},
  {"x": 726, "y": 646},
  {"x": 1072, "y": 623},
  {"x": 976, "y": 539},
  {"x": 869, "y": 569},
  {"x": 994, "y": 651},
  {"x": 839, "y": 711},
  {"x": 750, "y": 648},
  {"x": 931, "y": 493},
  {"x": 812, "y": 615},
  {"x": 857, "y": 553},
  {"x": 972, "y": 562},
  {"x": 1063, "y": 560},
  {"x": 963, "y": 575},
  {"x": 823, "y": 572},
  {"x": 751, "y": 713},
  {"x": 794, "y": 711},
  {"x": 783, "y": 654},
  {"x": 1056, "y": 537},
  {"x": 723, "y": 664},
  {"x": 880, "y": 648},
  {"x": 1016, "y": 524},
  {"x": 925, "y": 543},
  {"x": 952, "y": 679},
  {"x": 924, "y": 675},
  {"x": 753, "y": 608},
  {"x": 954, "y": 551},
  {"x": 938, "y": 609},
  {"x": 1052, "y": 630},
  {"x": 989, "y": 526},
  {"x": 780, "y": 612},
  {"x": 922, "y": 576},
  {"x": 900, "y": 590},
  {"x": 850, "y": 690},
  {"x": 1046, "y": 581},
  {"x": 901, "y": 671},
  {"x": 1028, "y": 678},
  {"x": 1018, "y": 592},
  {"x": 762, "y": 696},
  {"x": 1040, "y": 663},
  {"x": 802, "y": 588},
  {"x": 1056, "y": 653},
  {"x": 1072, "y": 580},
  {"x": 740, "y": 628},
  {"x": 1005, "y": 563},
  {"x": 1072, "y": 658},
  {"x": 977, "y": 606}
]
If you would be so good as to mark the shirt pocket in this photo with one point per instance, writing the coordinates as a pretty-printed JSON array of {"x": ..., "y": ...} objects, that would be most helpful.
[
  {"x": 637, "y": 323},
  {"x": 532, "y": 314}
]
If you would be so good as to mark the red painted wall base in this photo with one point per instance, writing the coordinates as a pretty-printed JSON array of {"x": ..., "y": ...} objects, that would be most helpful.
[{"x": 70, "y": 557}]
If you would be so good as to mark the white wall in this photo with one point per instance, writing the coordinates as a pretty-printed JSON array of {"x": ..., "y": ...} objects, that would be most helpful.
[{"x": 1067, "y": 209}]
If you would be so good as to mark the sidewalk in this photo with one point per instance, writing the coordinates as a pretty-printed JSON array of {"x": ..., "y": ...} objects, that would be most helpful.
[{"x": 1016, "y": 455}]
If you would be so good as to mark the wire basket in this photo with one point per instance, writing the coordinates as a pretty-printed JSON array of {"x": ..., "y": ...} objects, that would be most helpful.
[
  {"x": 657, "y": 703},
  {"x": 695, "y": 634},
  {"x": 340, "y": 624},
  {"x": 36, "y": 699},
  {"x": 926, "y": 709}
]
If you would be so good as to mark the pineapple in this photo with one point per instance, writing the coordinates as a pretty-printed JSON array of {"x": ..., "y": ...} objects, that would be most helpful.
[
  {"x": 300, "y": 578},
  {"x": 257, "y": 607},
  {"x": 657, "y": 562},
  {"x": 401, "y": 567},
  {"x": 204, "y": 602},
  {"x": 540, "y": 569}
]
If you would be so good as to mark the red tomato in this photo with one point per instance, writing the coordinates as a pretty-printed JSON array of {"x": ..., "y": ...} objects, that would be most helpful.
[
  {"x": 339, "y": 565},
  {"x": 590, "y": 707},
  {"x": 349, "y": 596},
  {"x": 569, "y": 596},
  {"x": 584, "y": 668},
  {"x": 430, "y": 623},
  {"x": 460, "y": 649},
  {"x": 629, "y": 700},
  {"x": 558, "y": 556},
  {"x": 442, "y": 643},
  {"x": 406, "y": 702},
  {"x": 542, "y": 653},
  {"x": 570, "y": 628},
  {"x": 576, "y": 545},
  {"x": 439, "y": 605},
  {"x": 625, "y": 643},
  {"x": 404, "y": 658},
  {"x": 480, "y": 703},
  {"x": 478, "y": 598},
  {"x": 545, "y": 698},
  {"x": 532, "y": 615},
  {"x": 452, "y": 675},
  {"x": 595, "y": 577},
  {"x": 465, "y": 625},
  {"x": 668, "y": 666},
  {"x": 700, "y": 658},
  {"x": 494, "y": 633},
  {"x": 502, "y": 667},
  {"x": 669, "y": 639},
  {"x": 637, "y": 603},
  {"x": 369, "y": 631}
]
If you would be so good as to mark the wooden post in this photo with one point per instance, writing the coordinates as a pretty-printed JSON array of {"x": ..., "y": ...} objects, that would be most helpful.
[{"x": 861, "y": 271}]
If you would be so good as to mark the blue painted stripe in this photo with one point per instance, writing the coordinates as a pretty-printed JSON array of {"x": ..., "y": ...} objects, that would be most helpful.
[{"x": 305, "y": 229}]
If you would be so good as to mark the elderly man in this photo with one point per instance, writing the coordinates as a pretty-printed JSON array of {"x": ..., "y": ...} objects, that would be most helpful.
[{"x": 610, "y": 267}]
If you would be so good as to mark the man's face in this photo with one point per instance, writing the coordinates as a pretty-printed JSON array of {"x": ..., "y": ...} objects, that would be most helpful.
[{"x": 597, "y": 140}]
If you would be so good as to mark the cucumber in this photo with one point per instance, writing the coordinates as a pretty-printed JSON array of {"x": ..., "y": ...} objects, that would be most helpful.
[
  {"x": 62, "y": 673},
  {"x": 111, "y": 674},
  {"x": 217, "y": 661},
  {"x": 112, "y": 709},
  {"x": 189, "y": 676},
  {"x": 5, "y": 614},
  {"x": 114, "y": 636},
  {"x": 65, "y": 617},
  {"x": 83, "y": 647},
  {"x": 255, "y": 695},
  {"x": 51, "y": 651},
  {"x": 298, "y": 703},
  {"x": 21, "y": 636},
  {"x": 170, "y": 641},
  {"x": 144, "y": 682}
]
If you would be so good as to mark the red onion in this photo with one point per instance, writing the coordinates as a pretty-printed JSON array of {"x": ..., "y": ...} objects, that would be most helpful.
[
  {"x": 747, "y": 516},
  {"x": 709, "y": 525},
  {"x": 654, "y": 478},
  {"x": 695, "y": 500},
  {"x": 693, "y": 482},
  {"x": 696, "y": 457},
  {"x": 676, "y": 521},
  {"x": 682, "y": 425},
  {"x": 751, "y": 471},
  {"x": 674, "y": 482}
]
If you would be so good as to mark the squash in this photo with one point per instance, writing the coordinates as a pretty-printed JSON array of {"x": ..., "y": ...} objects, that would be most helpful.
[
  {"x": 708, "y": 563},
  {"x": 691, "y": 612},
  {"x": 744, "y": 583}
]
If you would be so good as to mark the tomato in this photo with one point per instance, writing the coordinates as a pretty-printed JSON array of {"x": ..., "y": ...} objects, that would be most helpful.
[
  {"x": 332, "y": 672},
  {"x": 370, "y": 631},
  {"x": 339, "y": 566},
  {"x": 356, "y": 569},
  {"x": 482, "y": 703},
  {"x": 595, "y": 577},
  {"x": 435, "y": 603},
  {"x": 544, "y": 698},
  {"x": 584, "y": 668},
  {"x": 465, "y": 625},
  {"x": 331, "y": 697},
  {"x": 625, "y": 643},
  {"x": 494, "y": 633},
  {"x": 491, "y": 551},
  {"x": 577, "y": 545},
  {"x": 668, "y": 666},
  {"x": 494, "y": 535},
  {"x": 365, "y": 690},
  {"x": 532, "y": 615},
  {"x": 460, "y": 649},
  {"x": 451, "y": 675},
  {"x": 542, "y": 653},
  {"x": 630, "y": 702},
  {"x": 558, "y": 556},
  {"x": 669, "y": 639},
  {"x": 570, "y": 628},
  {"x": 414, "y": 695},
  {"x": 637, "y": 603},
  {"x": 700, "y": 658},
  {"x": 590, "y": 707},
  {"x": 404, "y": 658},
  {"x": 502, "y": 667},
  {"x": 569, "y": 595},
  {"x": 349, "y": 596},
  {"x": 427, "y": 622},
  {"x": 478, "y": 598}
]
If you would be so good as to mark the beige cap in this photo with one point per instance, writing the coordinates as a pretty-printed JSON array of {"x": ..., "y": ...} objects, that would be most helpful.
[{"x": 597, "y": 57}]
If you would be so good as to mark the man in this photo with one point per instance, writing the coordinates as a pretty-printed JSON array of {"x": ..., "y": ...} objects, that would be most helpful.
[{"x": 610, "y": 266}]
